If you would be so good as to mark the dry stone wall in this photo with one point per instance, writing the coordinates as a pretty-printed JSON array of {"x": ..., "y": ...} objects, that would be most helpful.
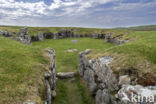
[
  {"x": 50, "y": 78},
  {"x": 106, "y": 87}
]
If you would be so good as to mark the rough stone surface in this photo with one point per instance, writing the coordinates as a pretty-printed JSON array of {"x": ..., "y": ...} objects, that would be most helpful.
[
  {"x": 103, "y": 97},
  {"x": 24, "y": 36},
  {"x": 99, "y": 77},
  {"x": 108, "y": 38},
  {"x": 89, "y": 78},
  {"x": 50, "y": 78}
]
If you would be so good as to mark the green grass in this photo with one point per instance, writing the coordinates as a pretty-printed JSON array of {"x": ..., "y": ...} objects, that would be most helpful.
[
  {"x": 19, "y": 71},
  {"x": 69, "y": 61}
]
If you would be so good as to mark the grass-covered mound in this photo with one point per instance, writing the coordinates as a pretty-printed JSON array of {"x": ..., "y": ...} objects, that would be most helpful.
[
  {"x": 136, "y": 58},
  {"x": 21, "y": 76}
]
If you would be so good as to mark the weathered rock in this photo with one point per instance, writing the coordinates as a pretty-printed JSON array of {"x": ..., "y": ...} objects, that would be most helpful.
[
  {"x": 72, "y": 50},
  {"x": 66, "y": 74},
  {"x": 89, "y": 78},
  {"x": 125, "y": 79},
  {"x": 40, "y": 36},
  {"x": 108, "y": 38},
  {"x": 24, "y": 36},
  {"x": 99, "y": 77},
  {"x": 50, "y": 77},
  {"x": 103, "y": 97}
]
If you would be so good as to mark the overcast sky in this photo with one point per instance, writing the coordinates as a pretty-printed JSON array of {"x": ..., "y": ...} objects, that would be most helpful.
[{"x": 78, "y": 13}]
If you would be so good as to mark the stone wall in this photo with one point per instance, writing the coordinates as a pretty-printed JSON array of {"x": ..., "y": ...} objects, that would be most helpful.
[
  {"x": 5, "y": 33},
  {"x": 105, "y": 86},
  {"x": 116, "y": 40},
  {"x": 38, "y": 37},
  {"x": 50, "y": 78}
]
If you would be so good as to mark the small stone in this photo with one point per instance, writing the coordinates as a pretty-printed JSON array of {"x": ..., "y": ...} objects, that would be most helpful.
[
  {"x": 53, "y": 93},
  {"x": 29, "y": 103},
  {"x": 72, "y": 50},
  {"x": 66, "y": 74},
  {"x": 125, "y": 79}
]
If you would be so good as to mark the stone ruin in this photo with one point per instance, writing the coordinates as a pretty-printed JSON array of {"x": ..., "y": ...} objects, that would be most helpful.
[
  {"x": 24, "y": 36},
  {"x": 6, "y": 34},
  {"x": 50, "y": 78},
  {"x": 38, "y": 37},
  {"x": 48, "y": 35}
]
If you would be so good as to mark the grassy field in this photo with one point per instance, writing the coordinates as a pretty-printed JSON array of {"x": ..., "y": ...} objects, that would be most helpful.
[
  {"x": 20, "y": 71},
  {"x": 21, "y": 66},
  {"x": 71, "y": 92}
]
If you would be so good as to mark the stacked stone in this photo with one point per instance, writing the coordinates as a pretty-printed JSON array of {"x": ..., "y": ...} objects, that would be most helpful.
[
  {"x": 108, "y": 38},
  {"x": 48, "y": 35},
  {"x": 51, "y": 78},
  {"x": 65, "y": 34},
  {"x": 5, "y": 34},
  {"x": 24, "y": 36},
  {"x": 38, "y": 37},
  {"x": 99, "y": 77}
]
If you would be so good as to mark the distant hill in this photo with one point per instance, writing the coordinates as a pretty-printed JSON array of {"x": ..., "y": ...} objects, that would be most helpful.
[{"x": 141, "y": 28}]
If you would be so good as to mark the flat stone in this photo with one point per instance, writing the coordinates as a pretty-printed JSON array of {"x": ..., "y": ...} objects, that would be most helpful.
[
  {"x": 125, "y": 79},
  {"x": 72, "y": 50},
  {"x": 66, "y": 74}
]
